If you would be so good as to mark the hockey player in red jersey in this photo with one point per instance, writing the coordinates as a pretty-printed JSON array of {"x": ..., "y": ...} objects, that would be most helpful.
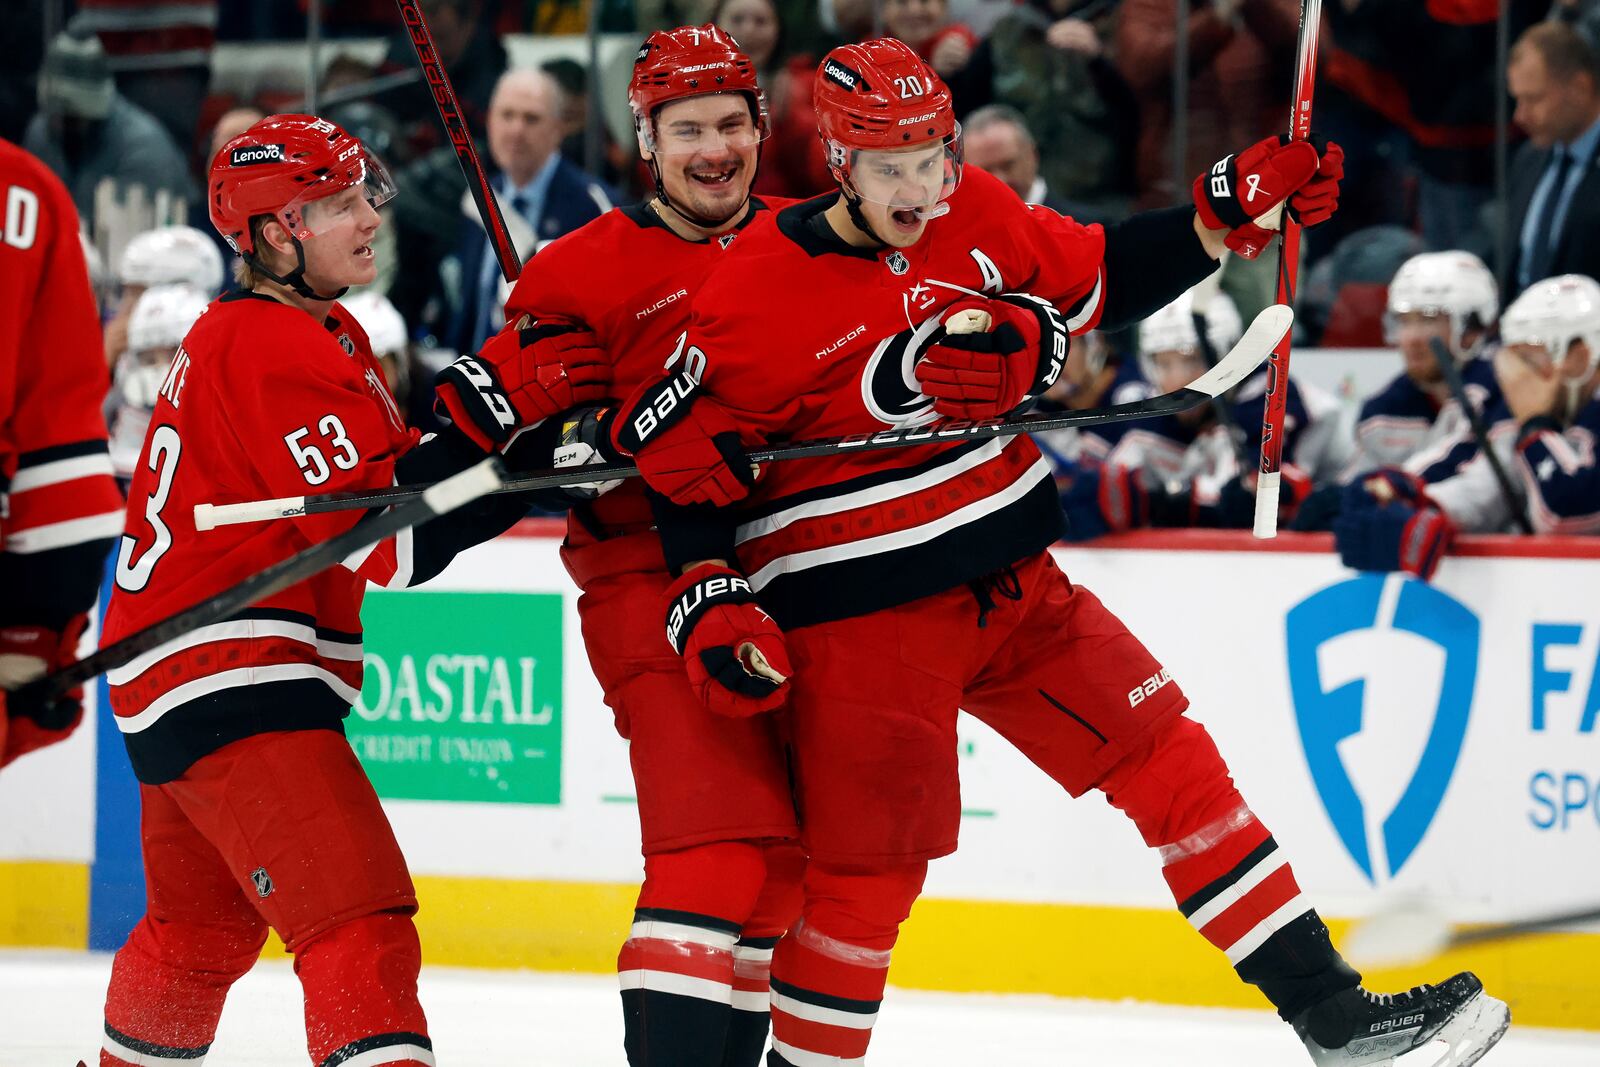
[
  {"x": 59, "y": 507},
  {"x": 912, "y": 582},
  {"x": 255, "y": 813},
  {"x": 717, "y": 819}
]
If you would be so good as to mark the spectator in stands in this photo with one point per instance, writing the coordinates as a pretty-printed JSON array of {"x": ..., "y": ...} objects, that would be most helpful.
[
  {"x": 88, "y": 132},
  {"x": 925, "y": 25},
  {"x": 792, "y": 159},
  {"x": 160, "y": 52},
  {"x": 1241, "y": 64},
  {"x": 996, "y": 138},
  {"x": 1054, "y": 69},
  {"x": 1554, "y": 195},
  {"x": 542, "y": 194}
]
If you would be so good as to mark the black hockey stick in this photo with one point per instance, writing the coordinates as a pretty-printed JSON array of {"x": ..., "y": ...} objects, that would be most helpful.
[
  {"x": 35, "y": 698},
  {"x": 1240, "y": 362},
  {"x": 1480, "y": 433},
  {"x": 1411, "y": 933},
  {"x": 455, "y": 127}
]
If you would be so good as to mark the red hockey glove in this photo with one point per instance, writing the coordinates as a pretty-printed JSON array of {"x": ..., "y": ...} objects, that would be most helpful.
[
  {"x": 1240, "y": 192},
  {"x": 732, "y": 650},
  {"x": 687, "y": 448},
  {"x": 521, "y": 377},
  {"x": 26, "y": 653},
  {"x": 1318, "y": 199},
  {"x": 983, "y": 369}
]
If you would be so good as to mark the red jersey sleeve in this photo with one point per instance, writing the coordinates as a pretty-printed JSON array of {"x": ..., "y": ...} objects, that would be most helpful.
[{"x": 1060, "y": 259}]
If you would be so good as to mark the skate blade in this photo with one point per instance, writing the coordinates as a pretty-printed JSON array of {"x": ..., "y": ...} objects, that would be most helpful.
[{"x": 1466, "y": 1038}]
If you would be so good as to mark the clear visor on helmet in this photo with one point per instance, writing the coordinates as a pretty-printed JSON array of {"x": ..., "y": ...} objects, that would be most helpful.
[
  {"x": 709, "y": 124},
  {"x": 1410, "y": 313},
  {"x": 915, "y": 178},
  {"x": 335, "y": 198}
]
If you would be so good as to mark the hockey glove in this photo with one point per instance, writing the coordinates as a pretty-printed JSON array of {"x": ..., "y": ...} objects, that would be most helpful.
[
  {"x": 27, "y": 653},
  {"x": 732, "y": 650},
  {"x": 686, "y": 447},
  {"x": 1245, "y": 192},
  {"x": 585, "y": 441},
  {"x": 1387, "y": 523},
  {"x": 985, "y": 373},
  {"x": 520, "y": 377}
]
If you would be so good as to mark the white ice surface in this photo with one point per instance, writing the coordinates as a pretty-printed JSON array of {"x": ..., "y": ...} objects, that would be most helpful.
[{"x": 50, "y": 1017}]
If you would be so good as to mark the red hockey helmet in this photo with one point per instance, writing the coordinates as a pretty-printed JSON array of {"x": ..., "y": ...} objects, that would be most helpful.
[
  {"x": 279, "y": 166},
  {"x": 880, "y": 96},
  {"x": 690, "y": 61}
]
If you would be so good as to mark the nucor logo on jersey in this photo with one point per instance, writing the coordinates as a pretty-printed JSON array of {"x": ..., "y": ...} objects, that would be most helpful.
[
  {"x": 841, "y": 342},
  {"x": 1140, "y": 693},
  {"x": 659, "y": 304},
  {"x": 246, "y": 155}
]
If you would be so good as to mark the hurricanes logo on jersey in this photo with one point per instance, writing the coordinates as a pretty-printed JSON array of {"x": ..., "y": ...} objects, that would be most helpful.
[{"x": 889, "y": 384}]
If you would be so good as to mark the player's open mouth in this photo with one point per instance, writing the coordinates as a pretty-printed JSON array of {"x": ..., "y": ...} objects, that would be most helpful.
[
  {"x": 906, "y": 219},
  {"x": 720, "y": 176},
  {"x": 364, "y": 252}
]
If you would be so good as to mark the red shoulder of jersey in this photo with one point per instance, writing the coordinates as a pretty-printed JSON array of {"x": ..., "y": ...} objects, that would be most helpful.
[{"x": 53, "y": 376}]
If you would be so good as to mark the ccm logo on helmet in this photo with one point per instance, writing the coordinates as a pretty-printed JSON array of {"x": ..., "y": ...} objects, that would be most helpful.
[
  {"x": 245, "y": 155},
  {"x": 842, "y": 75}
]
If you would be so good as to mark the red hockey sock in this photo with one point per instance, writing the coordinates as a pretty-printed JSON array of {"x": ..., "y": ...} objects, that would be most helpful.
[
  {"x": 1229, "y": 877},
  {"x": 829, "y": 971},
  {"x": 360, "y": 985},
  {"x": 168, "y": 983},
  {"x": 776, "y": 910},
  {"x": 677, "y": 966}
]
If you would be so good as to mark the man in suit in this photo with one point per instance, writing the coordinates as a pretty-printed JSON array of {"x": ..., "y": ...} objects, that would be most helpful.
[
  {"x": 542, "y": 194},
  {"x": 1554, "y": 217},
  {"x": 997, "y": 139}
]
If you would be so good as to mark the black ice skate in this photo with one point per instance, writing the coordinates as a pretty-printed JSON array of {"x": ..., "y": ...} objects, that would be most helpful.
[{"x": 1356, "y": 1028}]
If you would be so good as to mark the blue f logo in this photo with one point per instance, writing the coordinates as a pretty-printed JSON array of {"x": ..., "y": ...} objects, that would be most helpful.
[{"x": 1369, "y": 659}]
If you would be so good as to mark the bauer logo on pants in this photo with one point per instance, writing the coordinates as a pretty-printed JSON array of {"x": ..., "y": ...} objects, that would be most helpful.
[{"x": 1382, "y": 669}]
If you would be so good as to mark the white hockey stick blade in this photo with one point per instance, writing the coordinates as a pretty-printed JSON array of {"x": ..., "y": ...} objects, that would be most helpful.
[
  {"x": 1244, "y": 357},
  {"x": 1406, "y": 932}
]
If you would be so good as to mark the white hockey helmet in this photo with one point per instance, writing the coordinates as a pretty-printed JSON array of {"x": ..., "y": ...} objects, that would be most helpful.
[
  {"x": 1172, "y": 330},
  {"x": 162, "y": 316},
  {"x": 1556, "y": 313},
  {"x": 384, "y": 327},
  {"x": 1453, "y": 284},
  {"x": 170, "y": 254}
]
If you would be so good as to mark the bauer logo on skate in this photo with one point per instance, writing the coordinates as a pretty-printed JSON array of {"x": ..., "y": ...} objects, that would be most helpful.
[{"x": 1365, "y": 658}]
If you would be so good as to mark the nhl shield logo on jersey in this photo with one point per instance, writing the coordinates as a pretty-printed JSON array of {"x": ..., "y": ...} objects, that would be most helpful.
[
  {"x": 263, "y": 882},
  {"x": 348, "y": 345},
  {"x": 897, "y": 263}
]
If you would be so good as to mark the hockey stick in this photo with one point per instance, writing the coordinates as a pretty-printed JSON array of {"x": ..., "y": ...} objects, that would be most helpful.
[
  {"x": 1240, "y": 362},
  {"x": 444, "y": 496},
  {"x": 1411, "y": 933},
  {"x": 1277, "y": 400},
  {"x": 455, "y": 127},
  {"x": 1200, "y": 304},
  {"x": 1480, "y": 433}
]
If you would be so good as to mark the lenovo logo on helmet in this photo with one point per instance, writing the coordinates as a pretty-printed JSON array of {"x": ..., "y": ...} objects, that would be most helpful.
[
  {"x": 246, "y": 155},
  {"x": 843, "y": 76}
]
